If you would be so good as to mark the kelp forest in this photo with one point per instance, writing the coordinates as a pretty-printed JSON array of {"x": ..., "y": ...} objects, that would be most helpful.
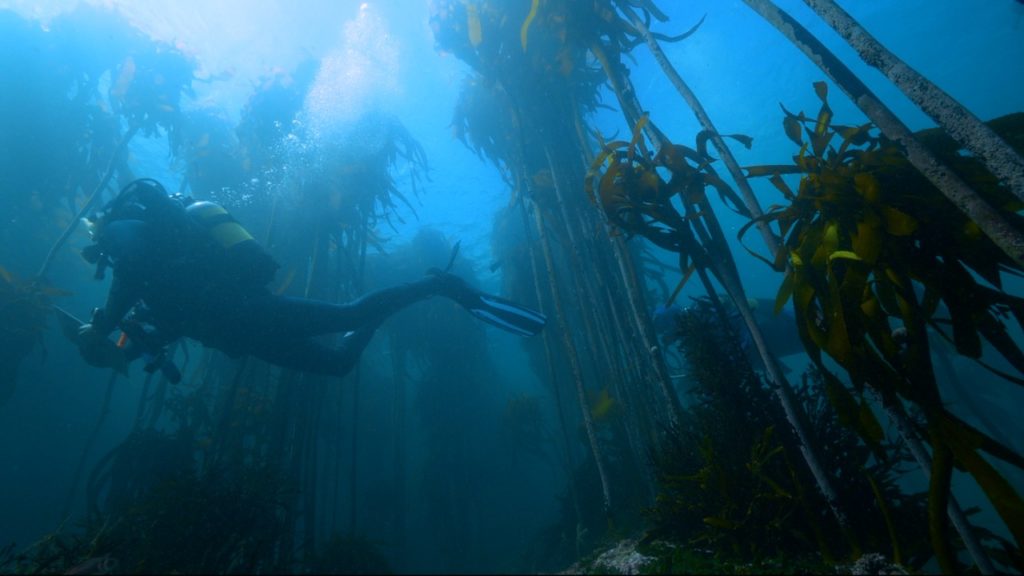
[{"x": 676, "y": 441}]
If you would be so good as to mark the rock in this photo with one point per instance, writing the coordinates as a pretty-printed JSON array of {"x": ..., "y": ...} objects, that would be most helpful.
[
  {"x": 621, "y": 559},
  {"x": 872, "y": 563}
]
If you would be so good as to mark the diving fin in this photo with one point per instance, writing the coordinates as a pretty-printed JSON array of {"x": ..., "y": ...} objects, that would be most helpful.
[
  {"x": 494, "y": 310},
  {"x": 504, "y": 314},
  {"x": 108, "y": 355}
]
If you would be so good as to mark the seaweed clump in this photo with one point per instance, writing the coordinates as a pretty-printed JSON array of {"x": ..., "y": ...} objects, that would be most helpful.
[
  {"x": 24, "y": 310},
  {"x": 732, "y": 485},
  {"x": 190, "y": 523},
  {"x": 350, "y": 554}
]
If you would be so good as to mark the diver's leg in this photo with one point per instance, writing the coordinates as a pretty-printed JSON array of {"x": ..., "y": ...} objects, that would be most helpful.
[
  {"x": 297, "y": 317},
  {"x": 304, "y": 317},
  {"x": 307, "y": 355}
]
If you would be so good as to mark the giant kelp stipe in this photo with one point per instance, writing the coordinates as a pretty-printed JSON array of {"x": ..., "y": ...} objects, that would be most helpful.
[{"x": 653, "y": 177}]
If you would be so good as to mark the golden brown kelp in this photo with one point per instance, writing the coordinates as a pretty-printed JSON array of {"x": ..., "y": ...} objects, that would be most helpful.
[
  {"x": 710, "y": 131},
  {"x": 989, "y": 219},
  {"x": 631, "y": 109},
  {"x": 878, "y": 256},
  {"x": 686, "y": 93},
  {"x": 1000, "y": 158},
  {"x": 625, "y": 183},
  {"x": 601, "y": 31}
]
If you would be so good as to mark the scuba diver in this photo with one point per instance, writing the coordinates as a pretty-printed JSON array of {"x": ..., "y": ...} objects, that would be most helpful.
[{"x": 190, "y": 270}]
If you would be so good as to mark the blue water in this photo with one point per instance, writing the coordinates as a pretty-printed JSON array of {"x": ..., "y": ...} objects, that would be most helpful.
[{"x": 379, "y": 57}]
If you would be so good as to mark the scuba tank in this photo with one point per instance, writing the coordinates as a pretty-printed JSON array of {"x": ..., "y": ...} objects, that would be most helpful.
[
  {"x": 219, "y": 224},
  {"x": 242, "y": 257}
]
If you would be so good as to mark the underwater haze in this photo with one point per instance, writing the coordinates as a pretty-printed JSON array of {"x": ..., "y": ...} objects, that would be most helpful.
[{"x": 714, "y": 286}]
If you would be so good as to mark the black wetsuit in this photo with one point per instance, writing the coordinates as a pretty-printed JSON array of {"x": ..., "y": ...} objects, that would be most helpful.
[{"x": 187, "y": 293}]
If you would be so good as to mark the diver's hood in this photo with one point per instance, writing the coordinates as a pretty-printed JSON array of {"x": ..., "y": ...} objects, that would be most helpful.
[
  {"x": 131, "y": 203},
  {"x": 119, "y": 240}
]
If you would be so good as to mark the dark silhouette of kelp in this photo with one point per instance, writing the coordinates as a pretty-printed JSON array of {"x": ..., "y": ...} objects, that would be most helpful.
[
  {"x": 732, "y": 481},
  {"x": 25, "y": 309}
]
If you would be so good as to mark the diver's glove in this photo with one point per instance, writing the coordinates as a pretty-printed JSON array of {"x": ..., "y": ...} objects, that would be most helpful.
[
  {"x": 92, "y": 339},
  {"x": 88, "y": 331},
  {"x": 91, "y": 345}
]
